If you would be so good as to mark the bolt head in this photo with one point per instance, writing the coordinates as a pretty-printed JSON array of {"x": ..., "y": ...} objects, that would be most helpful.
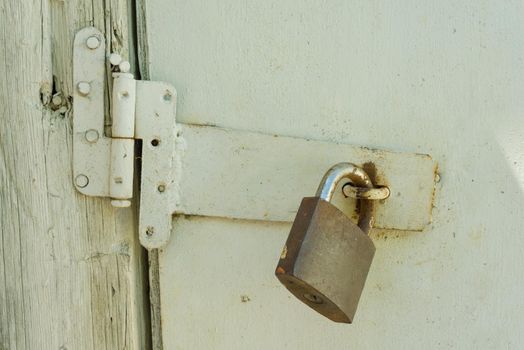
[
  {"x": 91, "y": 135},
  {"x": 150, "y": 231},
  {"x": 93, "y": 42},
  {"x": 81, "y": 181},
  {"x": 84, "y": 88}
]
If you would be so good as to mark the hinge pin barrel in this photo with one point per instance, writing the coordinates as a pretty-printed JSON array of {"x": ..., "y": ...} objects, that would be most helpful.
[
  {"x": 123, "y": 133},
  {"x": 123, "y": 108}
]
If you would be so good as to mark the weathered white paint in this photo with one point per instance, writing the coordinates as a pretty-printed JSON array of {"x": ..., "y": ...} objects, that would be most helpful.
[
  {"x": 103, "y": 165},
  {"x": 245, "y": 175},
  {"x": 90, "y": 154},
  {"x": 155, "y": 126},
  {"x": 437, "y": 77},
  {"x": 71, "y": 268}
]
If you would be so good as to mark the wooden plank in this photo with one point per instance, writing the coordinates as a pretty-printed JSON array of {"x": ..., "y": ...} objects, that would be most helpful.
[
  {"x": 70, "y": 267},
  {"x": 246, "y": 175},
  {"x": 142, "y": 39}
]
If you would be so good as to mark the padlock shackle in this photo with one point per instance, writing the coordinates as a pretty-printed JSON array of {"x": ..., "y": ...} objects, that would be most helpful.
[
  {"x": 340, "y": 171},
  {"x": 358, "y": 177}
]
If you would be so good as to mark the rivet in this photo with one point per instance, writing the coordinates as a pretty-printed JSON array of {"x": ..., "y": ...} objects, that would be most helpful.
[
  {"x": 81, "y": 181},
  {"x": 83, "y": 88},
  {"x": 161, "y": 188},
  {"x": 91, "y": 135},
  {"x": 93, "y": 42}
]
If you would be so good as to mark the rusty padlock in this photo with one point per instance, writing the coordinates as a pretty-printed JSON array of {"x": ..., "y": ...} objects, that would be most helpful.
[{"x": 327, "y": 257}]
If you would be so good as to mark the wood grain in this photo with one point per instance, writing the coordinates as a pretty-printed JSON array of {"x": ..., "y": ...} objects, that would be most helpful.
[
  {"x": 70, "y": 266},
  {"x": 143, "y": 61}
]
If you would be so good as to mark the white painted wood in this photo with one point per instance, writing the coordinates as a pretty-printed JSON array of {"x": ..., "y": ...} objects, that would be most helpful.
[
  {"x": 436, "y": 77},
  {"x": 71, "y": 268},
  {"x": 245, "y": 175}
]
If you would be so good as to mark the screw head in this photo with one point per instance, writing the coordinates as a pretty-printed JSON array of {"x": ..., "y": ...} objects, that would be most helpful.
[
  {"x": 81, "y": 181},
  {"x": 83, "y": 88},
  {"x": 93, "y": 42},
  {"x": 91, "y": 135},
  {"x": 168, "y": 95},
  {"x": 150, "y": 231}
]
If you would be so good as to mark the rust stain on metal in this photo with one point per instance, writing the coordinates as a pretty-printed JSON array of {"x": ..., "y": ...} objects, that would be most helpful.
[
  {"x": 328, "y": 275},
  {"x": 385, "y": 234},
  {"x": 371, "y": 170},
  {"x": 280, "y": 270},
  {"x": 436, "y": 179}
]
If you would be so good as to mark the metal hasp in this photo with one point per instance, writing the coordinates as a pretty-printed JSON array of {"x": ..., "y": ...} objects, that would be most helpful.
[
  {"x": 103, "y": 166},
  {"x": 327, "y": 257}
]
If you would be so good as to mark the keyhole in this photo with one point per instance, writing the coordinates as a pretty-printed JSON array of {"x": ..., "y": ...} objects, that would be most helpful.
[{"x": 313, "y": 298}]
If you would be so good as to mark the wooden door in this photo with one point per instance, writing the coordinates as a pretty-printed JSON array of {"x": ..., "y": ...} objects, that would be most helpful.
[
  {"x": 72, "y": 273},
  {"x": 443, "y": 78}
]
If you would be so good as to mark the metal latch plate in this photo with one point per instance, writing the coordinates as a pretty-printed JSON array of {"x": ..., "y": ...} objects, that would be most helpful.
[{"x": 248, "y": 175}]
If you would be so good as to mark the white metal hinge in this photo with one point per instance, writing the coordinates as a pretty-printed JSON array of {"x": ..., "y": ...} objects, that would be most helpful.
[{"x": 140, "y": 110}]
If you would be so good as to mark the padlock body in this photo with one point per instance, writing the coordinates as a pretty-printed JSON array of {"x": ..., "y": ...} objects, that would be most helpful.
[{"x": 326, "y": 260}]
